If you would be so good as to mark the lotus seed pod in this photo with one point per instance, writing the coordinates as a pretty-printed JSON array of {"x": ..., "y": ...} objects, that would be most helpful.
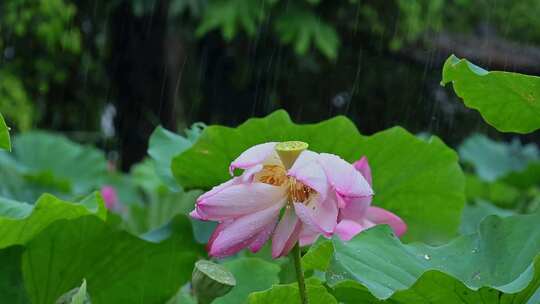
[
  {"x": 211, "y": 280},
  {"x": 289, "y": 151}
]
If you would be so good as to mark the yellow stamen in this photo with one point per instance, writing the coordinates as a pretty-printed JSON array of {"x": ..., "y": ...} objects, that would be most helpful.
[
  {"x": 273, "y": 175},
  {"x": 276, "y": 175},
  {"x": 297, "y": 191}
]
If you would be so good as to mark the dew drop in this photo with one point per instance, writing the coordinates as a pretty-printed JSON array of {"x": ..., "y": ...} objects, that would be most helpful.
[
  {"x": 336, "y": 277},
  {"x": 474, "y": 250},
  {"x": 427, "y": 257}
]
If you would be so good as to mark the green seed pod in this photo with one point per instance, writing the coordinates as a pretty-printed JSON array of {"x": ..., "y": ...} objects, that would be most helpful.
[
  {"x": 211, "y": 280},
  {"x": 289, "y": 151}
]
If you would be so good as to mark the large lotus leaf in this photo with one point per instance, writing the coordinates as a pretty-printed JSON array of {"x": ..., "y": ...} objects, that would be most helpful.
[
  {"x": 318, "y": 255},
  {"x": 118, "y": 267},
  {"x": 422, "y": 183},
  {"x": 251, "y": 274},
  {"x": 498, "y": 259},
  {"x": 55, "y": 163},
  {"x": 4, "y": 135},
  {"x": 19, "y": 223},
  {"x": 63, "y": 243},
  {"x": 435, "y": 287},
  {"x": 206, "y": 163},
  {"x": 508, "y": 101},
  {"x": 475, "y": 212},
  {"x": 279, "y": 294}
]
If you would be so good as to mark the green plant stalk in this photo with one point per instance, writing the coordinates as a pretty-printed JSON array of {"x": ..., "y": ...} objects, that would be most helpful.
[{"x": 297, "y": 258}]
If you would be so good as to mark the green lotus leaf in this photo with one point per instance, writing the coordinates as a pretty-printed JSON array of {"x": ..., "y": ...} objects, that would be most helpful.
[{"x": 510, "y": 102}]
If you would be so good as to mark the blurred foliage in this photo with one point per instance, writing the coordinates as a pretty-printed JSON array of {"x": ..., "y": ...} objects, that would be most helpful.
[
  {"x": 146, "y": 199},
  {"x": 492, "y": 160},
  {"x": 156, "y": 203},
  {"x": 516, "y": 19},
  {"x": 231, "y": 16},
  {"x": 59, "y": 166},
  {"x": 57, "y": 56},
  {"x": 301, "y": 28},
  {"x": 305, "y": 19},
  {"x": 506, "y": 174},
  {"x": 296, "y": 24},
  {"x": 28, "y": 26},
  {"x": 48, "y": 22},
  {"x": 44, "y": 51},
  {"x": 27, "y": 172},
  {"x": 164, "y": 145},
  {"x": 498, "y": 192},
  {"x": 14, "y": 101}
]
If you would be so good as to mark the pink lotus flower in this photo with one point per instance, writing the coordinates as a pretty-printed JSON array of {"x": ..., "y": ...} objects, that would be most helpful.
[
  {"x": 290, "y": 200},
  {"x": 353, "y": 219}
]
